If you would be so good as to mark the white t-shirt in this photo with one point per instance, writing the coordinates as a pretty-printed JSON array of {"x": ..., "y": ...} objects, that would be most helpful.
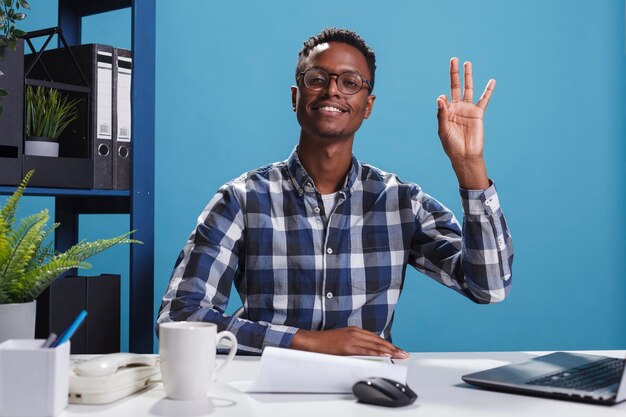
[{"x": 330, "y": 202}]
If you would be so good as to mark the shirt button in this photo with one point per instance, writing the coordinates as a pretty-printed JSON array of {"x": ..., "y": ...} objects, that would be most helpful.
[
  {"x": 316, "y": 209},
  {"x": 329, "y": 251},
  {"x": 329, "y": 295}
]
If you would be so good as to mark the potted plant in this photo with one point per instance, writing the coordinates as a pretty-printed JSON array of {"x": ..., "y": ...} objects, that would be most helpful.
[
  {"x": 48, "y": 113},
  {"x": 29, "y": 264}
]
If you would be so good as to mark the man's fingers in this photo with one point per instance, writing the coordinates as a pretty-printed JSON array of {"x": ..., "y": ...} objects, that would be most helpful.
[
  {"x": 365, "y": 340},
  {"x": 468, "y": 93},
  {"x": 455, "y": 80},
  {"x": 484, "y": 99}
]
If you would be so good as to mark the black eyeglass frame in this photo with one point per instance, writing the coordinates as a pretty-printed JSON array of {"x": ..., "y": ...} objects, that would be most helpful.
[{"x": 363, "y": 81}]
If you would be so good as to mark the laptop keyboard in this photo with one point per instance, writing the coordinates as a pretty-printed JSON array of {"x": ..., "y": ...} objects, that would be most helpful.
[{"x": 588, "y": 377}]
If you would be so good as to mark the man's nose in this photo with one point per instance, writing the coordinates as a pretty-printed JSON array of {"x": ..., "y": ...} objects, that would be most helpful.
[{"x": 332, "y": 89}]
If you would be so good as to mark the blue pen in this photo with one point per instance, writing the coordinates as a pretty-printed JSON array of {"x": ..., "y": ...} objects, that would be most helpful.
[{"x": 65, "y": 336}]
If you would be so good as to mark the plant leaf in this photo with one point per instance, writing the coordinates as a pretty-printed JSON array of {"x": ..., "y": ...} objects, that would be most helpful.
[
  {"x": 8, "y": 210},
  {"x": 23, "y": 244},
  {"x": 36, "y": 280}
]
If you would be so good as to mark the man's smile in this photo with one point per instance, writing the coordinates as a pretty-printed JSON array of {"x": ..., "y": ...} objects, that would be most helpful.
[{"x": 329, "y": 108}]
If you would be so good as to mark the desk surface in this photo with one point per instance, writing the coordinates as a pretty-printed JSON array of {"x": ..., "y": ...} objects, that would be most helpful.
[{"x": 435, "y": 377}]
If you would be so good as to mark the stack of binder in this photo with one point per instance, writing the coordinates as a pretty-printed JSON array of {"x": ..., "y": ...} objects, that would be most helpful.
[{"x": 109, "y": 73}]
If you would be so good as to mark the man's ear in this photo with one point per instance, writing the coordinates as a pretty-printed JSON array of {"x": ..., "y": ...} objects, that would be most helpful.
[
  {"x": 369, "y": 106},
  {"x": 294, "y": 95}
]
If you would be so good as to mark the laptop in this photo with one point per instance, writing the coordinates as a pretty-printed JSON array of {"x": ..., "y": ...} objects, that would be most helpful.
[{"x": 560, "y": 375}]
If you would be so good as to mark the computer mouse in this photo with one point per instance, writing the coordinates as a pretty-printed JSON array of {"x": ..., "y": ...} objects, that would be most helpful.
[{"x": 383, "y": 391}]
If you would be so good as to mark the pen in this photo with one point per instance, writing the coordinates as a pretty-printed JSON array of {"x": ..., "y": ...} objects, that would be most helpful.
[
  {"x": 69, "y": 332},
  {"x": 49, "y": 341}
]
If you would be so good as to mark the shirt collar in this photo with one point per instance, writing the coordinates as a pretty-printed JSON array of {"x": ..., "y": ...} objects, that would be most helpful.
[{"x": 302, "y": 181}]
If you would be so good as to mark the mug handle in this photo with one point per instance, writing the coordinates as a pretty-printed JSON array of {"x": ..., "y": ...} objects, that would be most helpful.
[{"x": 233, "y": 348}]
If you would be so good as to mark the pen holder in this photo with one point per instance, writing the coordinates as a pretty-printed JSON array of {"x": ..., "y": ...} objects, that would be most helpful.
[{"x": 34, "y": 381}]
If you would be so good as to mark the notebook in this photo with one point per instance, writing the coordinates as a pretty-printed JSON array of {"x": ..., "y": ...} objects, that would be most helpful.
[{"x": 561, "y": 375}]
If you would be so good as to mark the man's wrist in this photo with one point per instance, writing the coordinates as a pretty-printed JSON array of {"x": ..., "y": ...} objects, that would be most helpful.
[
  {"x": 471, "y": 173},
  {"x": 300, "y": 340}
]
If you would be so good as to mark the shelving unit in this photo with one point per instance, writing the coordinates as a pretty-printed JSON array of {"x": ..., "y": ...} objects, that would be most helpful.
[{"x": 139, "y": 200}]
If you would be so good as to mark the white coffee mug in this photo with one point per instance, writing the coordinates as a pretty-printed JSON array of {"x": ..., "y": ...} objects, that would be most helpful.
[{"x": 187, "y": 353}]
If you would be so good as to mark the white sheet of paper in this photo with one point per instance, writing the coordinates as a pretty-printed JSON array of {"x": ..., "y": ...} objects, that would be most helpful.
[{"x": 288, "y": 370}]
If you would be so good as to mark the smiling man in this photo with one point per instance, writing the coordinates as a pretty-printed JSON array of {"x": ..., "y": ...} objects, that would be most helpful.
[{"x": 317, "y": 245}]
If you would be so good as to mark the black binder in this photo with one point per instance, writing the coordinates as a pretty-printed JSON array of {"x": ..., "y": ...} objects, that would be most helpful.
[{"x": 122, "y": 119}]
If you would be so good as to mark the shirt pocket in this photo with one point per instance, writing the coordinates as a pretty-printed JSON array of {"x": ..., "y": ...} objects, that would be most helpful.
[{"x": 376, "y": 262}]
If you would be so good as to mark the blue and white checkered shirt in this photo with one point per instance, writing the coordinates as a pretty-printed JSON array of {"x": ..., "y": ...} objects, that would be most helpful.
[{"x": 265, "y": 231}]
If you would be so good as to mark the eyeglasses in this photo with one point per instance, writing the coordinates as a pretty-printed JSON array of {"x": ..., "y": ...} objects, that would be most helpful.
[{"x": 348, "y": 82}]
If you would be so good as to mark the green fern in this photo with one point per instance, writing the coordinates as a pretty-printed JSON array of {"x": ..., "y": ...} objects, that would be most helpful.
[
  {"x": 7, "y": 218},
  {"x": 24, "y": 241},
  {"x": 28, "y": 263}
]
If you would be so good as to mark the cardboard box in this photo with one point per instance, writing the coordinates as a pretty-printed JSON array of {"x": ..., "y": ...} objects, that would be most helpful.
[{"x": 33, "y": 381}]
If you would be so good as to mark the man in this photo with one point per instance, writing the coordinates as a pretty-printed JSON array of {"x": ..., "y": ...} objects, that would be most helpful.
[{"x": 318, "y": 245}]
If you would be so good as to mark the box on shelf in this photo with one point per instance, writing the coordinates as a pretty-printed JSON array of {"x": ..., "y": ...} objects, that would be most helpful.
[
  {"x": 67, "y": 296},
  {"x": 105, "y": 120},
  {"x": 11, "y": 119}
]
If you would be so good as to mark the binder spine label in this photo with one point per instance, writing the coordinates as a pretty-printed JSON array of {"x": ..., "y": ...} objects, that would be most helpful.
[{"x": 104, "y": 100}]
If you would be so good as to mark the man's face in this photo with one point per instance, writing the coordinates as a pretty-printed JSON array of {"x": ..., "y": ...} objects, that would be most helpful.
[{"x": 312, "y": 107}]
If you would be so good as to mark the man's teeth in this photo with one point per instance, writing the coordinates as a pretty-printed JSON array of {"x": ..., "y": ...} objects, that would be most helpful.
[{"x": 329, "y": 108}]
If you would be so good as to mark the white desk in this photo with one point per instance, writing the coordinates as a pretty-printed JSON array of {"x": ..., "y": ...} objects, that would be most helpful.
[{"x": 435, "y": 377}]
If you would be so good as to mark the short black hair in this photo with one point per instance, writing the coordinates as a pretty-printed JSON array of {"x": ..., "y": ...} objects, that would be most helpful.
[{"x": 339, "y": 35}]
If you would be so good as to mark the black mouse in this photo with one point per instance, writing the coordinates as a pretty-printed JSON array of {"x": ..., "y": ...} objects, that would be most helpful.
[{"x": 383, "y": 391}]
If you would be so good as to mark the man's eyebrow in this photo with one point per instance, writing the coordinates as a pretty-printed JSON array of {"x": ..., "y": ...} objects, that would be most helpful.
[{"x": 356, "y": 71}]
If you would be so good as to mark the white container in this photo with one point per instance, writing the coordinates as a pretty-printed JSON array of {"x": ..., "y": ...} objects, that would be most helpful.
[
  {"x": 17, "y": 321},
  {"x": 39, "y": 146},
  {"x": 33, "y": 381}
]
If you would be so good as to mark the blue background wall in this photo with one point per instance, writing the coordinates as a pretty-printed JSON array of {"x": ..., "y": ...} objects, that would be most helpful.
[{"x": 555, "y": 132}]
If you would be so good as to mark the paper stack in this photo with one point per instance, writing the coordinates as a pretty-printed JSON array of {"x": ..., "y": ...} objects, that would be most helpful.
[{"x": 288, "y": 370}]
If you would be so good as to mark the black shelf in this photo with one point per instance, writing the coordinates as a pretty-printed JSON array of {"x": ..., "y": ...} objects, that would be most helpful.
[{"x": 53, "y": 192}]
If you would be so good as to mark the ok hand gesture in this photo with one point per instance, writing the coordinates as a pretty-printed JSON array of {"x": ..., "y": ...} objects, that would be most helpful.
[{"x": 461, "y": 127}]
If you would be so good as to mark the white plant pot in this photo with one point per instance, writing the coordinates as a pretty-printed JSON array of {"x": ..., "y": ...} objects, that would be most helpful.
[
  {"x": 39, "y": 146},
  {"x": 17, "y": 321}
]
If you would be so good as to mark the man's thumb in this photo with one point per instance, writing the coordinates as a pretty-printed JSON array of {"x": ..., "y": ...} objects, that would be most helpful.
[{"x": 442, "y": 110}]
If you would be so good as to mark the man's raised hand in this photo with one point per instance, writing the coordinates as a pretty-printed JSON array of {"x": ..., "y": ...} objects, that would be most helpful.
[{"x": 461, "y": 127}]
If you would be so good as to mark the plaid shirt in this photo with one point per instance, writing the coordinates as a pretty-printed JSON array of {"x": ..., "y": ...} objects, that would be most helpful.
[{"x": 265, "y": 232}]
